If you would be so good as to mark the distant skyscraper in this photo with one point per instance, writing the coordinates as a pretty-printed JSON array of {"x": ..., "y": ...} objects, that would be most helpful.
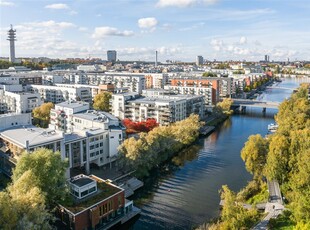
[
  {"x": 12, "y": 39},
  {"x": 111, "y": 55},
  {"x": 156, "y": 55},
  {"x": 266, "y": 58},
  {"x": 199, "y": 60}
]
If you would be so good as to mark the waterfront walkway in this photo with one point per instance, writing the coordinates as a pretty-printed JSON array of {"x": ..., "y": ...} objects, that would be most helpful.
[{"x": 274, "y": 207}]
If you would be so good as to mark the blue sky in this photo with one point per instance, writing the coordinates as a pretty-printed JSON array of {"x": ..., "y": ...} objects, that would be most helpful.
[{"x": 178, "y": 29}]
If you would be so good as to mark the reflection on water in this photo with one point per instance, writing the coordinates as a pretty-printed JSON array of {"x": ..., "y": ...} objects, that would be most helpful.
[{"x": 184, "y": 193}]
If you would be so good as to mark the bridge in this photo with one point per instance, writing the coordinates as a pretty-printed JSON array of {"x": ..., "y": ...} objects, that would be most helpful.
[
  {"x": 243, "y": 103},
  {"x": 279, "y": 87}
]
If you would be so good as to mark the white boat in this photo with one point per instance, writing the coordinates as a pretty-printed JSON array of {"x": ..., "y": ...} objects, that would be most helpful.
[{"x": 272, "y": 127}]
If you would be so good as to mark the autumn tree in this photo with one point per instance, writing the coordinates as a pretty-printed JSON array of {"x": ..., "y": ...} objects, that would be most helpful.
[
  {"x": 41, "y": 114},
  {"x": 156, "y": 146},
  {"x": 101, "y": 101},
  {"x": 22, "y": 205},
  {"x": 254, "y": 154},
  {"x": 225, "y": 106},
  {"x": 277, "y": 166},
  {"x": 233, "y": 215},
  {"x": 49, "y": 170}
]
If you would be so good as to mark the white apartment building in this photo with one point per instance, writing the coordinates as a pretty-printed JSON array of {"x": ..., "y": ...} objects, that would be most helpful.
[
  {"x": 88, "y": 68},
  {"x": 118, "y": 102},
  {"x": 10, "y": 120},
  {"x": 21, "y": 78},
  {"x": 99, "y": 132},
  {"x": 165, "y": 109},
  {"x": 156, "y": 80},
  {"x": 94, "y": 139},
  {"x": 61, "y": 115},
  {"x": 62, "y": 92},
  {"x": 193, "y": 90},
  {"x": 51, "y": 79},
  {"x": 18, "y": 102},
  {"x": 134, "y": 82}
]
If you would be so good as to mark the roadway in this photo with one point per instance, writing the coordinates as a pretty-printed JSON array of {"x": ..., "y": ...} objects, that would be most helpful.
[{"x": 255, "y": 103}]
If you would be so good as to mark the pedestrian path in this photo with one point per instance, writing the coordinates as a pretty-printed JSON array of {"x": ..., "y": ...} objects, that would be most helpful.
[{"x": 274, "y": 207}]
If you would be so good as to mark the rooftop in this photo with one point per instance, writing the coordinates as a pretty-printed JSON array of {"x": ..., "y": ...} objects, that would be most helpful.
[
  {"x": 81, "y": 180},
  {"x": 95, "y": 115},
  {"x": 72, "y": 105},
  {"x": 36, "y": 136},
  {"x": 105, "y": 190}
]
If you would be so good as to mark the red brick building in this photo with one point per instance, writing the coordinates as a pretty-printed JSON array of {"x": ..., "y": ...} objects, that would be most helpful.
[{"x": 97, "y": 204}]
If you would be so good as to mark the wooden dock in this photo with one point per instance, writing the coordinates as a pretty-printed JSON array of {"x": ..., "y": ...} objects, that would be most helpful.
[{"x": 205, "y": 130}]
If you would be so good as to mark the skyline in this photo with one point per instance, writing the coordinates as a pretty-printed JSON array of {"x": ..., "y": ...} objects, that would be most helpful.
[{"x": 177, "y": 29}]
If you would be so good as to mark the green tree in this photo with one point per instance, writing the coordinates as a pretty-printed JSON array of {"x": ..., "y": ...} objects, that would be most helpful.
[
  {"x": 23, "y": 205},
  {"x": 277, "y": 166},
  {"x": 41, "y": 114},
  {"x": 49, "y": 170},
  {"x": 209, "y": 74},
  {"x": 233, "y": 215},
  {"x": 153, "y": 148},
  {"x": 101, "y": 101},
  {"x": 254, "y": 154}
]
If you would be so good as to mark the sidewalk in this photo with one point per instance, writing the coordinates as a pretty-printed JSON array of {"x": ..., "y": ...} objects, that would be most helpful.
[{"x": 273, "y": 210}]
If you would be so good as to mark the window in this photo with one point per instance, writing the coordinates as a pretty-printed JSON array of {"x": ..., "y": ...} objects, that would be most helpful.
[{"x": 84, "y": 193}]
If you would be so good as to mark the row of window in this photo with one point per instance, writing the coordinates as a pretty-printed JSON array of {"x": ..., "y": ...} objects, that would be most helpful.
[{"x": 106, "y": 208}]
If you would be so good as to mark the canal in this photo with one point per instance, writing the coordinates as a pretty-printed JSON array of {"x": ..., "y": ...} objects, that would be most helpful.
[{"x": 185, "y": 193}]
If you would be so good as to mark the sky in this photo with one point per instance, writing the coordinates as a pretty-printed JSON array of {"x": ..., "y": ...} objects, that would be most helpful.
[{"x": 178, "y": 29}]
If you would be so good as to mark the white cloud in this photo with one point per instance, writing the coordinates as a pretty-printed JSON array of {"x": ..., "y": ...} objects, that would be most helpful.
[
  {"x": 57, "y": 6},
  {"x": 101, "y": 32},
  {"x": 83, "y": 29},
  {"x": 257, "y": 43},
  {"x": 51, "y": 24},
  {"x": 5, "y": 3},
  {"x": 183, "y": 3},
  {"x": 195, "y": 26},
  {"x": 249, "y": 51},
  {"x": 147, "y": 23},
  {"x": 148, "y": 53},
  {"x": 242, "y": 40},
  {"x": 73, "y": 12}
]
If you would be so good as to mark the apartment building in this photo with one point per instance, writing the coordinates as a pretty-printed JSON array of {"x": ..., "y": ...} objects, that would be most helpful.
[
  {"x": 18, "y": 102},
  {"x": 190, "y": 86},
  {"x": 62, "y": 92},
  {"x": 132, "y": 81},
  {"x": 83, "y": 136},
  {"x": 156, "y": 80},
  {"x": 217, "y": 87},
  {"x": 164, "y": 108},
  {"x": 99, "y": 132},
  {"x": 21, "y": 78},
  {"x": 98, "y": 204}
]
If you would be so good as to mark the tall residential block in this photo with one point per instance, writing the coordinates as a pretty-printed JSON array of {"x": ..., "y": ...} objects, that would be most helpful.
[
  {"x": 199, "y": 60},
  {"x": 111, "y": 55}
]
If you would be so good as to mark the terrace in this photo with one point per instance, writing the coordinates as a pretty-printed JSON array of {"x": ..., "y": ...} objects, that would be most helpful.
[{"x": 104, "y": 190}]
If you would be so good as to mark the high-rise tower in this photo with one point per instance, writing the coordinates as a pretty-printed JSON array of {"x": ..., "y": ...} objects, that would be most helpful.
[
  {"x": 12, "y": 39},
  {"x": 111, "y": 56}
]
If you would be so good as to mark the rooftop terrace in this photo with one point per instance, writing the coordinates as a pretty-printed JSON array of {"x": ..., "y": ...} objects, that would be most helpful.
[{"x": 105, "y": 190}]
